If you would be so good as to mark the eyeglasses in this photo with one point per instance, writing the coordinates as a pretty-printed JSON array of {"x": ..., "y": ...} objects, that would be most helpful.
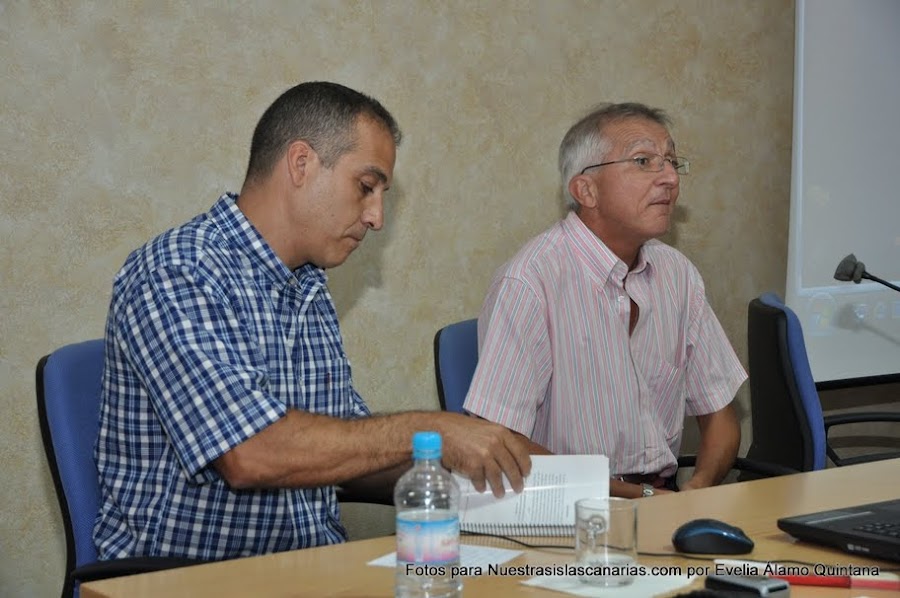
[{"x": 650, "y": 163}]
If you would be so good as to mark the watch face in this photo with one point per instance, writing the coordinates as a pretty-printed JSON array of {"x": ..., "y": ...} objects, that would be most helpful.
[{"x": 648, "y": 489}]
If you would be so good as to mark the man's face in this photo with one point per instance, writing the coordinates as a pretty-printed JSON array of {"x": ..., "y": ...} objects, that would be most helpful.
[
  {"x": 633, "y": 206},
  {"x": 343, "y": 202}
]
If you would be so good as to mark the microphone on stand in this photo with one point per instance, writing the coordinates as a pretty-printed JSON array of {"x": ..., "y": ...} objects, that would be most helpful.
[{"x": 851, "y": 268}]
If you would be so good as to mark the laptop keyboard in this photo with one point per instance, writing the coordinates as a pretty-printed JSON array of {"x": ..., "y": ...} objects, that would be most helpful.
[{"x": 882, "y": 528}]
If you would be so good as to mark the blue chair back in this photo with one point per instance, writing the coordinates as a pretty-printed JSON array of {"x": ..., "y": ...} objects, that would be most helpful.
[
  {"x": 455, "y": 359},
  {"x": 68, "y": 401},
  {"x": 788, "y": 424}
]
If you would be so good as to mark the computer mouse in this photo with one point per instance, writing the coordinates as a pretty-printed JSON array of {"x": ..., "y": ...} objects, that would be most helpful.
[{"x": 711, "y": 536}]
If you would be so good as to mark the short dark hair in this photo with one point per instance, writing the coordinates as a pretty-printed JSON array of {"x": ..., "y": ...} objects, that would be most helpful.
[{"x": 321, "y": 113}]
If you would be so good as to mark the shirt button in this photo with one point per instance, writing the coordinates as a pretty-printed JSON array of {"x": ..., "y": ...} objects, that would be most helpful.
[
  {"x": 621, "y": 298},
  {"x": 293, "y": 282}
]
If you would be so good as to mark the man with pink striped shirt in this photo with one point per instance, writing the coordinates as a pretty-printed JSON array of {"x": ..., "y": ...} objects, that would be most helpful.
[{"x": 596, "y": 338}]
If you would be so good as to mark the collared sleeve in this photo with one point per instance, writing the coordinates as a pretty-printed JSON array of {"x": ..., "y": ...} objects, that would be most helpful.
[
  {"x": 514, "y": 361},
  {"x": 713, "y": 371},
  {"x": 205, "y": 376}
]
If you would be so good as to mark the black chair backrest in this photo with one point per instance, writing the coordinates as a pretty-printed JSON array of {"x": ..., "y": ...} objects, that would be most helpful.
[{"x": 781, "y": 432}]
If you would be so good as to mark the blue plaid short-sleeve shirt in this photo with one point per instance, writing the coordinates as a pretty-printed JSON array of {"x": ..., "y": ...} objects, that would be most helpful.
[{"x": 210, "y": 338}]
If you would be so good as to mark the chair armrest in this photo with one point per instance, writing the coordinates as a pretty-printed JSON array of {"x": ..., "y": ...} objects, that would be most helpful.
[
  {"x": 687, "y": 460},
  {"x": 384, "y": 497},
  {"x": 761, "y": 468},
  {"x": 130, "y": 566},
  {"x": 838, "y": 419}
]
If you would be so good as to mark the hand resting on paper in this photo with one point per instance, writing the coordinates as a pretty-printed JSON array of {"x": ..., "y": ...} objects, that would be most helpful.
[{"x": 485, "y": 452}]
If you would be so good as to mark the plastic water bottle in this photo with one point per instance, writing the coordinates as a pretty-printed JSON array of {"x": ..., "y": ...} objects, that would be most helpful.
[{"x": 427, "y": 501}]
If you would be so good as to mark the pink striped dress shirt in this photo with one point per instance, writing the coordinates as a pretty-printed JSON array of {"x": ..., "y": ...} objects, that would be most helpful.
[{"x": 557, "y": 364}]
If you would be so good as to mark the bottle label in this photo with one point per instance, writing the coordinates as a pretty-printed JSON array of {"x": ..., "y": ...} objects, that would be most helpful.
[{"x": 428, "y": 542}]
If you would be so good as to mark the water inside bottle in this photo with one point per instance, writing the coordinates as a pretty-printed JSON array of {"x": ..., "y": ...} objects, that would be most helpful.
[{"x": 427, "y": 552}]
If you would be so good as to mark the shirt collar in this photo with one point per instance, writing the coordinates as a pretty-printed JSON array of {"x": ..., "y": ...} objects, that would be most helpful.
[
  {"x": 241, "y": 234},
  {"x": 599, "y": 259}
]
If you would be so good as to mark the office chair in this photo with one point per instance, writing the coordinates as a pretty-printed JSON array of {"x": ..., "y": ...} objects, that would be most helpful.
[
  {"x": 455, "y": 359},
  {"x": 788, "y": 425},
  {"x": 68, "y": 401}
]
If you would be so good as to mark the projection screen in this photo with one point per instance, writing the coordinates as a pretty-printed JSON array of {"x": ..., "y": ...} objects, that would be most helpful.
[{"x": 845, "y": 194}]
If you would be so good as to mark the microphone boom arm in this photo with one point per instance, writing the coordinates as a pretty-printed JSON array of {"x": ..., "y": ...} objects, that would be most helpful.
[{"x": 880, "y": 281}]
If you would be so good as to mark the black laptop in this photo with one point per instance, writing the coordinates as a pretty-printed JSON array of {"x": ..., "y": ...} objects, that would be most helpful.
[{"x": 872, "y": 529}]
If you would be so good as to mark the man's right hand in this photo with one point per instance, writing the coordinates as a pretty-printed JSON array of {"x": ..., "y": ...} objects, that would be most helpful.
[{"x": 484, "y": 452}]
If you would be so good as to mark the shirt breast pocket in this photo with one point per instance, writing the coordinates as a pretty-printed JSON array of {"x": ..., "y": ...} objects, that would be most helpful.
[
  {"x": 326, "y": 387},
  {"x": 663, "y": 378},
  {"x": 665, "y": 383}
]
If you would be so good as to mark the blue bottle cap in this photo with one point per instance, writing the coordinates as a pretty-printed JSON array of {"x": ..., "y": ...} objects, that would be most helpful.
[{"x": 426, "y": 445}]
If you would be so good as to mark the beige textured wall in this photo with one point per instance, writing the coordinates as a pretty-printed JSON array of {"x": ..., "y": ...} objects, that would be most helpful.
[{"x": 120, "y": 119}]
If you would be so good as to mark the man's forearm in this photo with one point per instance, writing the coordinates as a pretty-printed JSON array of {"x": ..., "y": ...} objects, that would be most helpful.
[
  {"x": 303, "y": 450},
  {"x": 720, "y": 437}
]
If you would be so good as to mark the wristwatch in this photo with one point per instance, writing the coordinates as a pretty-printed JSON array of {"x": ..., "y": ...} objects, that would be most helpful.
[{"x": 646, "y": 490}]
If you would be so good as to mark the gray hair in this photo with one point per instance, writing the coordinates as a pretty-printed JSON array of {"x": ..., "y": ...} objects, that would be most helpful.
[
  {"x": 321, "y": 113},
  {"x": 586, "y": 142}
]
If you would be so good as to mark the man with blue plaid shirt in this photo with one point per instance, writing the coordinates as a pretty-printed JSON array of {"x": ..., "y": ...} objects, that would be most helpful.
[{"x": 228, "y": 414}]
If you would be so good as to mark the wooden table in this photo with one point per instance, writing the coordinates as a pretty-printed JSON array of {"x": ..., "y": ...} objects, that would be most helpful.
[{"x": 341, "y": 570}]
